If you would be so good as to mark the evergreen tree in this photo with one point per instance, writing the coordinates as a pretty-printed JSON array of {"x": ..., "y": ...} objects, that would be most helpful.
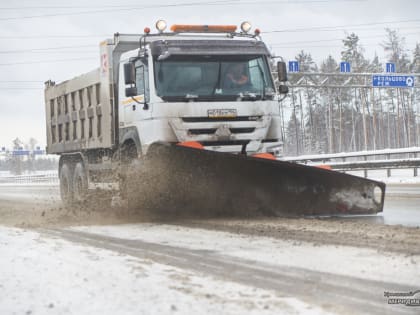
[
  {"x": 375, "y": 65},
  {"x": 306, "y": 63},
  {"x": 353, "y": 53},
  {"x": 394, "y": 47},
  {"x": 16, "y": 161},
  {"x": 415, "y": 63},
  {"x": 329, "y": 65}
]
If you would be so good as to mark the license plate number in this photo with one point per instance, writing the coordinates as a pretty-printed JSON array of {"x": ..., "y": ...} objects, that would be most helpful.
[{"x": 221, "y": 113}]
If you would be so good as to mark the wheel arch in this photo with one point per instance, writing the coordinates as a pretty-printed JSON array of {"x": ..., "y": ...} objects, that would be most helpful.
[
  {"x": 71, "y": 160},
  {"x": 129, "y": 137}
]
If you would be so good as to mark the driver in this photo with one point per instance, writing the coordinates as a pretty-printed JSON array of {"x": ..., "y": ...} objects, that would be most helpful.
[{"x": 235, "y": 76}]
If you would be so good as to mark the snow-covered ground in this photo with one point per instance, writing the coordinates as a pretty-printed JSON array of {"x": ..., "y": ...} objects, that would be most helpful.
[
  {"x": 44, "y": 275},
  {"x": 398, "y": 176},
  {"x": 30, "y": 178},
  {"x": 363, "y": 263},
  {"x": 46, "y": 172}
]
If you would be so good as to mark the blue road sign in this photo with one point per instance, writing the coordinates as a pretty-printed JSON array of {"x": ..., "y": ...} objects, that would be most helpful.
[
  {"x": 38, "y": 152},
  {"x": 293, "y": 66},
  {"x": 20, "y": 152},
  {"x": 345, "y": 66},
  {"x": 393, "y": 81},
  {"x": 390, "y": 67}
]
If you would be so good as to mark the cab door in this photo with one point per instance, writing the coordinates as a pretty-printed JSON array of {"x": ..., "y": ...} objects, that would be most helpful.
[{"x": 137, "y": 107}]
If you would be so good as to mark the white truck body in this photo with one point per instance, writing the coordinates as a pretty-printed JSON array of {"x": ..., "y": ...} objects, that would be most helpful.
[
  {"x": 90, "y": 120},
  {"x": 214, "y": 90}
]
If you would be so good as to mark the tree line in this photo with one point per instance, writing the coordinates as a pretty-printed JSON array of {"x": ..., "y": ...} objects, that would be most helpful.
[
  {"x": 18, "y": 165},
  {"x": 330, "y": 120}
]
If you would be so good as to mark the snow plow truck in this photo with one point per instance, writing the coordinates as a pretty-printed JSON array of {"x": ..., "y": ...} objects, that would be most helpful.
[{"x": 189, "y": 116}]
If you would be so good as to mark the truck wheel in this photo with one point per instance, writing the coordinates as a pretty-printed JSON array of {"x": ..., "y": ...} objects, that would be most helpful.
[
  {"x": 80, "y": 183},
  {"x": 66, "y": 185}
]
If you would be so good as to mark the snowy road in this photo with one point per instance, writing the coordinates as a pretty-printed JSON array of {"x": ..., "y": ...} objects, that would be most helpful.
[
  {"x": 58, "y": 261},
  {"x": 48, "y": 275},
  {"x": 170, "y": 269}
]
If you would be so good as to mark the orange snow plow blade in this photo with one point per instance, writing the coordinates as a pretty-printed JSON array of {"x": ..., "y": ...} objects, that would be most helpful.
[
  {"x": 224, "y": 183},
  {"x": 267, "y": 156}
]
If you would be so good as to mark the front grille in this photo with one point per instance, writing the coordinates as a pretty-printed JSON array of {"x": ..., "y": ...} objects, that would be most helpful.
[
  {"x": 242, "y": 130},
  {"x": 270, "y": 140},
  {"x": 227, "y": 142},
  {"x": 208, "y": 119},
  {"x": 204, "y": 131},
  {"x": 209, "y": 131}
]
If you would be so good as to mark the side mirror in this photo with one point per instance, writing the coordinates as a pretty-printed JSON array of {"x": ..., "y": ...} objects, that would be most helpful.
[
  {"x": 283, "y": 89},
  {"x": 131, "y": 91},
  {"x": 281, "y": 71},
  {"x": 129, "y": 73}
]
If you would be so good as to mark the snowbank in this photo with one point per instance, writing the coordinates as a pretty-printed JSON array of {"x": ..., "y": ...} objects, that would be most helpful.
[{"x": 42, "y": 275}]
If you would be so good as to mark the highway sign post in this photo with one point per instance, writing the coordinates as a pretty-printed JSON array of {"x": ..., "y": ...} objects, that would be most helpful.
[
  {"x": 401, "y": 81},
  {"x": 345, "y": 66},
  {"x": 390, "y": 67},
  {"x": 20, "y": 152},
  {"x": 293, "y": 66}
]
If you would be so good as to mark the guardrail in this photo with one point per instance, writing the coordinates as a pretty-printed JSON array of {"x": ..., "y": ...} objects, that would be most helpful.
[
  {"x": 387, "y": 159},
  {"x": 30, "y": 179}
]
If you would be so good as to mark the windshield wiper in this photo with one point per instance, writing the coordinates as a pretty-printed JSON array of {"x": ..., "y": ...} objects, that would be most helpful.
[
  {"x": 247, "y": 96},
  {"x": 191, "y": 96}
]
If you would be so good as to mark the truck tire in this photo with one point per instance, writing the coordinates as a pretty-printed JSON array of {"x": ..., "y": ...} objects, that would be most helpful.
[
  {"x": 80, "y": 183},
  {"x": 66, "y": 185}
]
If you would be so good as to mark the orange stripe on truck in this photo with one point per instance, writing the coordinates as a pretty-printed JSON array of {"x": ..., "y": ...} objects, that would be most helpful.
[
  {"x": 191, "y": 144},
  {"x": 267, "y": 156},
  {"x": 324, "y": 166}
]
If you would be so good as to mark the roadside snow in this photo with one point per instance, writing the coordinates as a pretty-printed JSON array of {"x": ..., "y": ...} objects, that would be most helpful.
[
  {"x": 41, "y": 274},
  {"x": 362, "y": 263},
  {"x": 398, "y": 176}
]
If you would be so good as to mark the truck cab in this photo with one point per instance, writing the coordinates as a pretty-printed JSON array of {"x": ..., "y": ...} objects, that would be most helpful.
[{"x": 212, "y": 87}]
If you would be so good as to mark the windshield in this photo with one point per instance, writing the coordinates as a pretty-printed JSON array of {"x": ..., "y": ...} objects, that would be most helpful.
[{"x": 213, "y": 78}]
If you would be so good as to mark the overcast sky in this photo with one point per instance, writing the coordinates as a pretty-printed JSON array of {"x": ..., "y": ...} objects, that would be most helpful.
[{"x": 45, "y": 39}]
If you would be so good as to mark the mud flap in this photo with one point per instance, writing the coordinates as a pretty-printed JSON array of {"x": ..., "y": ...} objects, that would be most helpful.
[{"x": 222, "y": 183}]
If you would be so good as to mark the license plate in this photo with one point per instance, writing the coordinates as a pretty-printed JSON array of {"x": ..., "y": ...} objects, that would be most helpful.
[{"x": 221, "y": 113}]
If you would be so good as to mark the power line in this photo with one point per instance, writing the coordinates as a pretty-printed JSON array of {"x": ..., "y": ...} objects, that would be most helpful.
[
  {"x": 129, "y": 6},
  {"x": 52, "y": 49},
  {"x": 44, "y": 61},
  {"x": 320, "y": 28},
  {"x": 53, "y": 36},
  {"x": 42, "y": 49},
  {"x": 341, "y": 39},
  {"x": 187, "y": 4},
  {"x": 20, "y": 81},
  {"x": 21, "y": 88},
  {"x": 74, "y": 52},
  {"x": 328, "y": 28},
  {"x": 359, "y": 30}
]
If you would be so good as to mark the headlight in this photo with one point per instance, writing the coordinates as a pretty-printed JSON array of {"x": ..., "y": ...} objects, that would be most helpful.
[
  {"x": 245, "y": 27},
  {"x": 161, "y": 25}
]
